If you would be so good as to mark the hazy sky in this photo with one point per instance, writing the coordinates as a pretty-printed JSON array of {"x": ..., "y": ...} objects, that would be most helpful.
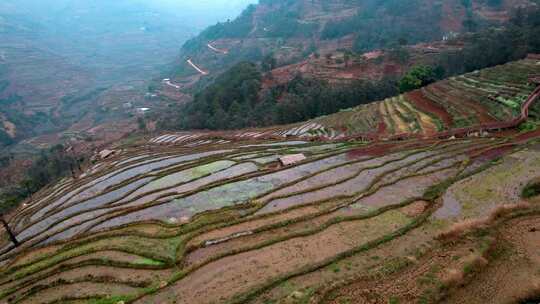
[
  {"x": 200, "y": 13},
  {"x": 205, "y": 4},
  {"x": 218, "y": 10}
]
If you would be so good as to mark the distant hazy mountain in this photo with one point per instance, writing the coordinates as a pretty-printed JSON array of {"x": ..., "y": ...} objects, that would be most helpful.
[
  {"x": 55, "y": 49},
  {"x": 102, "y": 33},
  {"x": 194, "y": 13}
]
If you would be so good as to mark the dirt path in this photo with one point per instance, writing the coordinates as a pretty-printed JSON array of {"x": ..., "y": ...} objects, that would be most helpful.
[
  {"x": 210, "y": 46},
  {"x": 204, "y": 73},
  {"x": 169, "y": 83}
]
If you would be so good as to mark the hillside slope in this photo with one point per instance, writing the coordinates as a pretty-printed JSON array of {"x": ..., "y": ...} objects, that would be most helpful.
[
  {"x": 217, "y": 218},
  {"x": 482, "y": 99},
  {"x": 486, "y": 99},
  {"x": 292, "y": 30}
]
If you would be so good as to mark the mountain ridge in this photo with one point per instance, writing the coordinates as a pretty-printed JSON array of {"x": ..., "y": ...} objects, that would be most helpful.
[{"x": 301, "y": 27}]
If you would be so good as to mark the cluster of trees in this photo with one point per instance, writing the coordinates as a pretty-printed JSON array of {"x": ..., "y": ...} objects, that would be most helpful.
[
  {"x": 483, "y": 49},
  {"x": 235, "y": 100},
  {"x": 306, "y": 98},
  {"x": 5, "y": 139},
  {"x": 419, "y": 76},
  {"x": 379, "y": 24},
  {"x": 496, "y": 45},
  {"x": 46, "y": 168},
  {"x": 283, "y": 22},
  {"x": 224, "y": 103}
]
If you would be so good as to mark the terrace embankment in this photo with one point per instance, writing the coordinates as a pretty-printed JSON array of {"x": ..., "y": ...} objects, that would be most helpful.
[
  {"x": 226, "y": 223},
  {"x": 489, "y": 100},
  {"x": 190, "y": 218}
]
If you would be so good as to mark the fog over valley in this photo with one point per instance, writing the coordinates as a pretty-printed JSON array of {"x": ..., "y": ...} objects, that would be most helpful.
[{"x": 100, "y": 53}]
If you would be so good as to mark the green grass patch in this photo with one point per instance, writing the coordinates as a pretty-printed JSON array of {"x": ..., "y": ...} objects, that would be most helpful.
[
  {"x": 528, "y": 126},
  {"x": 335, "y": 268},
  {"x": 393, "y": 300},
  {"x": 148, "y": 261},
  {"x": 531, "y": 190}
]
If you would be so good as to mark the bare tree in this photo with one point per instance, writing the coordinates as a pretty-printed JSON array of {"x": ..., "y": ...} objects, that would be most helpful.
[{"x": 9, "y": 231}]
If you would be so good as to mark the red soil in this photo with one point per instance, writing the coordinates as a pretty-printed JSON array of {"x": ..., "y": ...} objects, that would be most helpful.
[
  {"x": 283, "y": 74},
  {"x": 427, "y": 106},
  {"x": 527, "y": 136},
  {"x": 372, "y": 150},
  {"x": 392, "y": 69},
  {"x": 480, "y": 110},
  {"x": 505, "y": 133},
  {"x": 491, "y": 153},
  {"x": 379, "y": 149},
  {"x": 441, "y": 89},
  {"x": 381, "y": 128}
]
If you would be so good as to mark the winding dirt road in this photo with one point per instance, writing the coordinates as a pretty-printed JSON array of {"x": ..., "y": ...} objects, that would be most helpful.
[
  {"x": 222, "y": 51},
  {"x": 196, "y": 67}
]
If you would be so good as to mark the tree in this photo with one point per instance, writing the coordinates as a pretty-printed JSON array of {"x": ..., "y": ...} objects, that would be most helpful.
[
  {"x": 470, "y": 24},
  {"x": 48, "y": 167},
  {"x": 268, "y": 63},
  {"x": 10, "y": 233},
  {"x": 403, "y": 41},
  {"x": 417, "y": 77},
  {"x": 439, "y": 72},
  {"x": 346, "y": 58},
  {"x": 400, "y": 54},
  {"x": 141, "y": 124},
  {"x": 238, "y": 114},
  {"x": 5, "y": 206},
  {"x": 28, "y": 185}
]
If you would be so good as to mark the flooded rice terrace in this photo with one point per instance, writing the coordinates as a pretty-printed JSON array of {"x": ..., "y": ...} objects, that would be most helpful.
[{"x": 231, "y": 213}]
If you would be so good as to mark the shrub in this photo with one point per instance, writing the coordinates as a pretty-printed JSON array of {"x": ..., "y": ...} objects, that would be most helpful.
[
  {"x": 527, "y": 126},
  {"x": 532, "y": 189},
  {"x": 417, "y": 77}
]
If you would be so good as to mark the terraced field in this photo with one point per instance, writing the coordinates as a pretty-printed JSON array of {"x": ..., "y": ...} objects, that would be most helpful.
[
  {"x": 482, "y": 99},
  {"x": 216, "y": 218},
  {"x": 228, "y": 224},
  {"x": 478, "y": 102}
]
